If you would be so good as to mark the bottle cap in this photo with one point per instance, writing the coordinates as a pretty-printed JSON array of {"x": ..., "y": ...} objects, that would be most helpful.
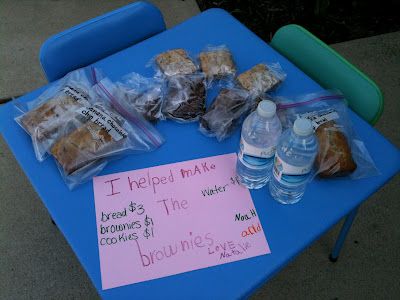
[
  {"x": 266, "y": 109},
  {"x": 302, "y": 127}
]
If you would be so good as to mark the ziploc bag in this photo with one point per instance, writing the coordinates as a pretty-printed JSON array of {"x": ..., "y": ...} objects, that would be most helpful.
[
  {"x": 99, "y": 133},
  {"x": 145, "y": 95},
  {"x": 44, "y": 118},
  {"x": 225, "y": 113},
  {"x": 185, "y": 97},
  {"x": 341, "y": 152}
]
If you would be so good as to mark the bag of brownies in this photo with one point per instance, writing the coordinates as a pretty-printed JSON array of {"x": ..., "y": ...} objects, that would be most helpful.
[
  {"x": 226, "y": 112},
  {"x": 185, "y": 97},
  {"x": 145, "y": 95}
]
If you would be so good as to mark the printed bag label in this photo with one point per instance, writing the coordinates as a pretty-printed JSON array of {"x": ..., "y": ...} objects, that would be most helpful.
[
  {"x": 319, "y": 118},
  {"x": 76, "y": 94},
  {"x": 102, "y": 119}
]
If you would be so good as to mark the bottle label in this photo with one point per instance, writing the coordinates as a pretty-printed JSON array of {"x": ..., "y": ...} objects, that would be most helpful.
[
  {"x": 318, "y": 118},
  {"x": 254, "y": 156},
  {"x": 288, "y": 174}
]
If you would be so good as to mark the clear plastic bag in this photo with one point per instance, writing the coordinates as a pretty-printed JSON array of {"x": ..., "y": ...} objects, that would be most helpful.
[
  {"x": 225, "y": 113},
  {"x": 262, "y": 78},
  {"x": 216, "y": 62},
  {"x": 341, "y": 152},
  {"x": 185, "y": 98},
  {"x": 145, "y": 95},
  {"x": 175, "y": 62},
  {"x": 99, "y": 133},
  {"x": 45, "y": 117}
]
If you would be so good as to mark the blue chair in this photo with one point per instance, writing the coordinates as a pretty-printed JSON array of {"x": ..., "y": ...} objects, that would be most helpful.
[{"x": 100, "y": 37}]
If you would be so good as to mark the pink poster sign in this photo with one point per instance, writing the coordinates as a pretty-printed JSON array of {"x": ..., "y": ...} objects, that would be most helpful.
[{"x": 174, "y": 218}]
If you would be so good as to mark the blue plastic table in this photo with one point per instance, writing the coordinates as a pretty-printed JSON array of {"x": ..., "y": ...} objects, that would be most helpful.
[{"x": 289, "y": 229}]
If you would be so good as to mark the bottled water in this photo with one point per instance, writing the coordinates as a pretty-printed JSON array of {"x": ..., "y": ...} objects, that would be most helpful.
[
  {"x": 294, "y": 158},
  {"x": 260, "y": 133}
]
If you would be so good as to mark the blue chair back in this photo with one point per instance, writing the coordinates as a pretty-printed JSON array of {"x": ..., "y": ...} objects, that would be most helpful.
[{"x": 100, "y": 37}]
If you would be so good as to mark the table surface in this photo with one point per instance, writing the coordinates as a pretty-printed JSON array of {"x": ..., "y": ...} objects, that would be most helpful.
[{"x": 289, "y": 229}]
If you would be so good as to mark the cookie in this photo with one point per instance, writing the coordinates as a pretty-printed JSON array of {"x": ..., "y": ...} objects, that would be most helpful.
[
  {"x": 175, "y": 62},
  {"x": 217, "y": 63}
]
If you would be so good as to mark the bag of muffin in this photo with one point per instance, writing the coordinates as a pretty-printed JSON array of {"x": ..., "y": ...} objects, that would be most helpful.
[
  {"x": 45, "y": 117},
  {"x": 341, "y": 152},
  {"x": 135, "y": 92},
  {"x": 225, "y": 113},
  {"x": 102, "y": 131}
]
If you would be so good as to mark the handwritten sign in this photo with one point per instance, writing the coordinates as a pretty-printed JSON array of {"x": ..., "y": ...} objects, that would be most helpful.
[{"x": 174, "y": 218}]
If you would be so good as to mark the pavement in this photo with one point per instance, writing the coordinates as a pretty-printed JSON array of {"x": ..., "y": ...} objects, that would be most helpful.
[{"x": 35, "y": 260}]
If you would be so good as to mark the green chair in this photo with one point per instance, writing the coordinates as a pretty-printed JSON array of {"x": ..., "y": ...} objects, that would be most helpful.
[{"x": 331, "y": 71}]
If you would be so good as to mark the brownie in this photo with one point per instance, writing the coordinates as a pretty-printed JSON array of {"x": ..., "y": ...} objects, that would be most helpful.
[
  {"x": 225, "y": 113},
  {"x": 147, "y": 103},
  {"x": 259, "y": 79},
  {"x": 217, "y": 63},
  {"x": 334, "y": 156},
  {"x": 185, "y": 97},
  {"x": 175, "y": 62}
]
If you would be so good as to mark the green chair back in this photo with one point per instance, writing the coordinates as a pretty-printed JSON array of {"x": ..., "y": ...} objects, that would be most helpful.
[{"x": 330, "y": 70}]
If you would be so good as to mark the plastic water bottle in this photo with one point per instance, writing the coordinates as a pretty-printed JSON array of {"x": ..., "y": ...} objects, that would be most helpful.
[
  {"x": 260, "y": 134},
  {"x": 293, "y": 162}
]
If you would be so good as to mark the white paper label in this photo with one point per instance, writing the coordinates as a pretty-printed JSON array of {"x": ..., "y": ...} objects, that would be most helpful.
[
  {"x": 318, "y": 118},
  {"x": 104, "y": 121},
  {"x": 76, "y": 94},
  {"x": 248, "y": 149},
  {"x": 255, "y": 157},
  {"x": 289, "y": 174}
]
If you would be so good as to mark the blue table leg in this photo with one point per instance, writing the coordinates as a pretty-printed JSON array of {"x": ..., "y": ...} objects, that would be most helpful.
[{"x": 342, "y": 235}]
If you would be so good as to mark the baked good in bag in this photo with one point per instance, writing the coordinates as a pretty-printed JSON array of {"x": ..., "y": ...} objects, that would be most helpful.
[
  {"x": 334, "y": 155},
  {"x": 44, "y": 121},
  {"x": 175, "y": 62},
  {"x": 100, "y": 135},
  {"x": 185, "y": 98},
  {"x": 224, "y": 114},
  {"x": 258, "y": 79},
  {"x": 217, "y": 63},
  {"x": 148, "y": 105}
]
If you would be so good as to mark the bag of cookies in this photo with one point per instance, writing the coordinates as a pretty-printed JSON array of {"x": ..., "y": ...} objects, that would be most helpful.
[
  {"x": 45, "y": 117},
  {"x": 101, "y": 132},
  {"x": 341, "y": 152},
  {"x": 185, "y": 97},
  {"x": 145, "y": 95},
  {"x": 261, "y": 78},
  {"x": 225, "y": 113},
  {"x": 216, "y": 62},
  {"x": 175, "y": 62}
]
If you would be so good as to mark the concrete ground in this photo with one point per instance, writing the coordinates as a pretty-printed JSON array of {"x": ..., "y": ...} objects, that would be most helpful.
[{"x": 35, "y": 260}]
